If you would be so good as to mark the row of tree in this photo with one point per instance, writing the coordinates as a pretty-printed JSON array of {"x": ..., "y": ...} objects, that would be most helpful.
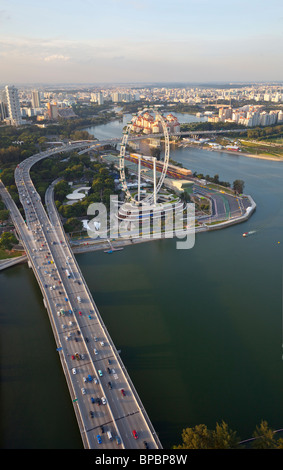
[
  {"x": 238, "y": 184},
  {"x": 222, "y": 437}
]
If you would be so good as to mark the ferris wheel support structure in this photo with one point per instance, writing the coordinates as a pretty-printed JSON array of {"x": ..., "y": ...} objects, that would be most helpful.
[{"x": 151, "y": 198}]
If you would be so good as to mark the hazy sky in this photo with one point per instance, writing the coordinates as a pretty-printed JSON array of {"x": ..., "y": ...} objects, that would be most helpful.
[{"x": 140, "y": 41}]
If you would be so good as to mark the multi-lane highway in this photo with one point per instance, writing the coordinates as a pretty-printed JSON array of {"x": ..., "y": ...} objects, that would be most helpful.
[{"x": 109, "y": 411}]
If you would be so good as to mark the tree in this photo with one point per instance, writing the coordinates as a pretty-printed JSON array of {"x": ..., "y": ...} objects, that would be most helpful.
[
  {"x": 7, "y": 240},
  {"x": 73, "y": 225},
  {"x": 264, "y": 437},
  {"x": 238, "y": 186},
  {"x": 4, "y": 214},
  {"x": 200, "y": 437}
]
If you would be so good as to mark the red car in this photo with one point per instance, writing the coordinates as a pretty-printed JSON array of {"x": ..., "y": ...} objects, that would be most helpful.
[
  {"x": 123, "y": 392},
  {"x": 135, "y": 434},
  {"x": 80, "y": 313},
  {"x": 73, "y": 357}
]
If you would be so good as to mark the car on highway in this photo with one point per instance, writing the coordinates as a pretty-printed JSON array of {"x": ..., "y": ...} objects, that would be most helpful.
[
  {"x": 100, "y": 373},
  {"x": 103, "y": 399},
  {"x": 99, "y": 440},
  {"x": 145, "y": 444},
  {"x": 123, "y": 392},
  {"x": 135, "y": 434},
  {"x": 118, "y": 440},
  {"x": 74, "y": 371},
  {"x": 95, "y": 351},
  {"x": 83, "y": 391}
]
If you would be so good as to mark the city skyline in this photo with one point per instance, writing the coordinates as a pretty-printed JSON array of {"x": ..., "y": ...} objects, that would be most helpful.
[{"x": 134, "y": 41}]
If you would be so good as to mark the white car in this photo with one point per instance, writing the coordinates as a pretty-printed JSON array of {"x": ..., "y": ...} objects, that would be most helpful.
[
  {"x": 102, "y": 343},
  {"x": 84, "y": 379},
  {"x": 74, "y": 371},
  {"x": 103, "y": 399},
  {"x": 95, "y": 351},
  {"x": 83, "y": 391}
]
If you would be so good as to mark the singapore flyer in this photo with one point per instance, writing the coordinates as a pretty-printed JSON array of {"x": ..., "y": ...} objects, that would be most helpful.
[{"x": 150, "y": 198}]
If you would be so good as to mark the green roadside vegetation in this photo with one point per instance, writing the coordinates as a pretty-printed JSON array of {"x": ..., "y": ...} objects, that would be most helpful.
[
  {"x": 80, "y": 170},
  {"x": 19, "y": 143},
  {"x": 7, "y": 243},
  {"x": 7, "y": 254},
  {"x": 222, "y": 437},
  {"x": 264, "y": 141}
]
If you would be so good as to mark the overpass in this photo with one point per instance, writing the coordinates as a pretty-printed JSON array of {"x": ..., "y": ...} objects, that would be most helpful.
[
  {"x": 97, "y": 143},
  {"x": 106, "y": 404}
]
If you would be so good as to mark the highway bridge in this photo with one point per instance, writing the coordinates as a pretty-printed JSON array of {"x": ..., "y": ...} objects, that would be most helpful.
[
  {"x": 109, "y": 411},
  {"x": 134, "y": 137}
]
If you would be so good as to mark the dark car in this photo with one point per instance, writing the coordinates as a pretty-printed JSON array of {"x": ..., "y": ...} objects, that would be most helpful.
[
  {"x": 145, "y": 444},
  {"x": 123, "y": 392}
]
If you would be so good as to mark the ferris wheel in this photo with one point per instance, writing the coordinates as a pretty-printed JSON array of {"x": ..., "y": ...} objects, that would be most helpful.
[{"x": 151, "y": 198}]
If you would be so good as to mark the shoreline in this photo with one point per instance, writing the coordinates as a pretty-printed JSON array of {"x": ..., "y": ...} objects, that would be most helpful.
[
  {"x": 244, "y": 154},
  {"x": 251, "y": 155}
]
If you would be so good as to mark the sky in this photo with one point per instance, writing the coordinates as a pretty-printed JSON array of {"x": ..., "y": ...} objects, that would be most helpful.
[{"x": 140, "y": 41}]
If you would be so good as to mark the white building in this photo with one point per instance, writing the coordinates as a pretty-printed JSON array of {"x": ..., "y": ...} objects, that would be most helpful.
[
  {"x": 35, "y": 99},
  {"x": 13, "y": 103}
]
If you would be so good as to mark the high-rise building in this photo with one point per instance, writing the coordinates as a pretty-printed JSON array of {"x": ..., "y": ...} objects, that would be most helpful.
[
  {"x": 3, "y": 106},
  {"x": 52, "y": 110},
  {"x": 35, "y": 99},
  {"x": 13, "y": 104},
  {"x": 100, "y": 98}
]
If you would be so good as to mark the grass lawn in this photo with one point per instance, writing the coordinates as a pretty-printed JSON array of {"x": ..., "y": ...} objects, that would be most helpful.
[{"x": 5, "y": 254}]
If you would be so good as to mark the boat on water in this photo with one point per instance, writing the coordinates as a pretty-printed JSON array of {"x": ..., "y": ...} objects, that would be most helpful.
[{"x": 246, "y": 234}]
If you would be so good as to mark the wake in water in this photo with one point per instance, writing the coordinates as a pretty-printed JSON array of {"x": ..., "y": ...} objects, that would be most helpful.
[{"x": 246, "y": 234}]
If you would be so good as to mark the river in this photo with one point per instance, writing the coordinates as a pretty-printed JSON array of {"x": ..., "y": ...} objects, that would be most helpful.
[{"x": 200, "y": 330}]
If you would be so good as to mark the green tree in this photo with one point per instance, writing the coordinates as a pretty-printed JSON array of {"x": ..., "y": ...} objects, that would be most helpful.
[
  {"x": 238, "y": 186},
  {"x": 264, "y": 437},
  {"x": 7, "y": 240},
  {"x": 200, "y": 437},
  {"x": 73, "y": 225},
  {"x": 4, "y": 214}
]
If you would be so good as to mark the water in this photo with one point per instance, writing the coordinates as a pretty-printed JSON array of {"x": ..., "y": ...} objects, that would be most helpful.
[
  {"x": 114, "y": 129},
  {"x": 200, "y": 330}
]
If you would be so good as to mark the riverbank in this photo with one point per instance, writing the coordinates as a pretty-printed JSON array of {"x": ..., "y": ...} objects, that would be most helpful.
[{"x": 239, "y": 153}]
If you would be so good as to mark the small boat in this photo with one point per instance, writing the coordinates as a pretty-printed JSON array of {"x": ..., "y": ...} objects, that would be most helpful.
[{"x": 246, "y": 234}]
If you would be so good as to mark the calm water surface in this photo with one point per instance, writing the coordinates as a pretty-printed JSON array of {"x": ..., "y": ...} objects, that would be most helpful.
[{"x": 200, "y": 330}]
